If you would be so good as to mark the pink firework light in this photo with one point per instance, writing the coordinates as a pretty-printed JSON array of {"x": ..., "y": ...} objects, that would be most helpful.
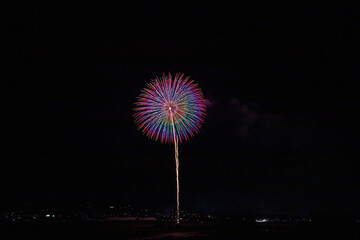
[{"x": 170, "y": 110}]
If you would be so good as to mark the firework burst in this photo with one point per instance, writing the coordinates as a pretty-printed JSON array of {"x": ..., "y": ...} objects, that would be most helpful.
[
  {"x": 170, "y": 110},
  {"x": 166, "y": 100}
]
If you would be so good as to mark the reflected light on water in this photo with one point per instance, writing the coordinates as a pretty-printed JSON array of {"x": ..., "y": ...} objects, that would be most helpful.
[{"x": 176, "y": 235}]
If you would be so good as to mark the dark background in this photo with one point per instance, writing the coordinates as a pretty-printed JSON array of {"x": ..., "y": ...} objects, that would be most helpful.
[{"x": 281, "y": 133}]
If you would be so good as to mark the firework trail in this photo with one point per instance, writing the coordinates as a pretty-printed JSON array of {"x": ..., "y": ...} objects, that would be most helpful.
[
  {"x": 177, "y": 171},
  {"x": 170, "y": 110}
]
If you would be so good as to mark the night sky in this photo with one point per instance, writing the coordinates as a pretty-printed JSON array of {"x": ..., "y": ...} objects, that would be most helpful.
[{"x": 281, "y": 132}]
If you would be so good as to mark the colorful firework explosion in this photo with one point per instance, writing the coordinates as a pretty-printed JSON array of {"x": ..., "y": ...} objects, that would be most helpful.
[{"x": 170, "y": 105}]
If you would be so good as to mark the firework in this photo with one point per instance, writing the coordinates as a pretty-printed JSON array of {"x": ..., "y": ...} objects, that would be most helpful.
[{"x": 170, "y": 110}]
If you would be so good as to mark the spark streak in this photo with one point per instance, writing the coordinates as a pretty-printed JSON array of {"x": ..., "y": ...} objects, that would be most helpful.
[{"x": 177, "y": 169}]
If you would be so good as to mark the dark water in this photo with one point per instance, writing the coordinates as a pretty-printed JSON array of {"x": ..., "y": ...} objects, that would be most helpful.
[
  {"x": 177, "y": 235},
  {"x": 113, "y": 230}
]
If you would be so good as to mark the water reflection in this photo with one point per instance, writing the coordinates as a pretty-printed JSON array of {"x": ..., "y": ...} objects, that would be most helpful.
[{"x": 176, "y": 235}]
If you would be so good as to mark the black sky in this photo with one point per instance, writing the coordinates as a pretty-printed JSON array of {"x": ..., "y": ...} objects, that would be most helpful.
[{"x": 281, "y": 133}]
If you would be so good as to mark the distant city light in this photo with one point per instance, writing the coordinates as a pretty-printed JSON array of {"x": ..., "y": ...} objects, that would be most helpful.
[
  {"x": 119, "y": 214},
  {"x": 261, "y": 220}
]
